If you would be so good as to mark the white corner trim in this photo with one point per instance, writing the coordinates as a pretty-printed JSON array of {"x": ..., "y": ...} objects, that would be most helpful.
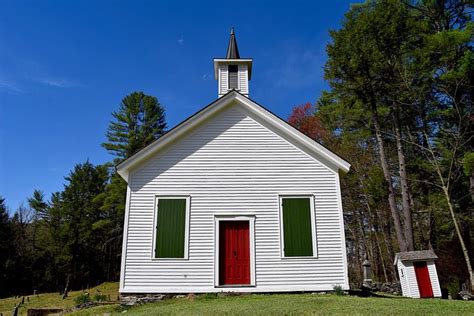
[
  {"x": 124, "y": 239},
  {"x": 186, "y": 225},
  {"x": 343, "y": 232}
]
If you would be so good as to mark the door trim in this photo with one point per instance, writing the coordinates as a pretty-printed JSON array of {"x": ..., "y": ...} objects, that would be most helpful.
[{"x": 251, "y": 220}]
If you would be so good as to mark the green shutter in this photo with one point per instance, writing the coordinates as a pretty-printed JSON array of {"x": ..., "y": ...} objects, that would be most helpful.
[
  {"x": 170, "y": 228},
  {"x": 298, "y": 239}
]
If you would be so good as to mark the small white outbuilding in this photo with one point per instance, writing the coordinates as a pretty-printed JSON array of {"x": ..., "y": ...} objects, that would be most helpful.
[{"x": 417, "y": 272}]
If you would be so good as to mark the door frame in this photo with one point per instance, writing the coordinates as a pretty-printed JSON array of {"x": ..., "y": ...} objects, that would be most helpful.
[{"x": 251, "y": 220}]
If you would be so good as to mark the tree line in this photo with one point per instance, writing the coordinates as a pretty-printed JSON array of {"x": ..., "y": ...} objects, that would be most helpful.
[
  {"x": 74, "y": 239},
  {"x": 398, "y": 108}
]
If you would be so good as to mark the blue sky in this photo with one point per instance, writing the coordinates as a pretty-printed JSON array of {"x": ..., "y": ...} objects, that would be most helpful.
[{"x": 65, "y": 65}]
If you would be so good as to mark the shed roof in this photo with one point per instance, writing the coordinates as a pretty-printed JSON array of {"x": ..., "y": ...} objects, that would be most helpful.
[{"x": 415, "y": 255}]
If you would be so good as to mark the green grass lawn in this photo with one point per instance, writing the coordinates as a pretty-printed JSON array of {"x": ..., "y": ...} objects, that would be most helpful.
[
  {"x": 292, "y": 304},
  {"x": 254, "y": 304}
]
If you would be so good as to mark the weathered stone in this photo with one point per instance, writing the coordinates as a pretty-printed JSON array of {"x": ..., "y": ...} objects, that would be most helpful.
[
  {"x": 465, "y": 295},
  {"x": 389, "y": 288},
  {"x": 131, "y": 300},
  {"x": 43, "y": 311}
]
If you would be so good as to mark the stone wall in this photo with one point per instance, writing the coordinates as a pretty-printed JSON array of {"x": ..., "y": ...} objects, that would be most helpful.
[{"x": 393, "y": 288}]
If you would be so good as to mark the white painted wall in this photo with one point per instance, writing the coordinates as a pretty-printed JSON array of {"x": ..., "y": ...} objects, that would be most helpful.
[
  {"x": 233, "y": 165},
  {"x": 411, "y": 280},
  {"x": 243, "y": 79},
  {"x": 223, "y": 83},
  {"x": 434, "y": 278},
  {"x": 402, "y": 274}
]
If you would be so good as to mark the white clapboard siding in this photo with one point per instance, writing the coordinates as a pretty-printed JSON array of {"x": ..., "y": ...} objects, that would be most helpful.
[
  {"x": 411, "y": 280},
  {"x": 243, "y": 79},
  {"x": 223, "y": 79},
  {"x": 233, "y": 165},
  {"x": 402, "y": 273},
  {"x": 434, "y": 278}
]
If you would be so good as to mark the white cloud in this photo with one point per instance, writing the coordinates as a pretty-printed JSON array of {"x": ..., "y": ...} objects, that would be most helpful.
[
  {"x": 181, "y": 40},
  {"x": 57, "y": 82},
  {"x": 10, "y": 87}
]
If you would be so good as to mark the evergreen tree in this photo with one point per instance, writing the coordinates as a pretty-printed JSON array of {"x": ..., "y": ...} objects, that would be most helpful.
[
  {"x": 139, "y": 121},
  {"x": 5, "y": 249},
  {"x": 80, "y": 211},
  {"x": 401, "y": 77},
  {"x": 38, "y": 204}
]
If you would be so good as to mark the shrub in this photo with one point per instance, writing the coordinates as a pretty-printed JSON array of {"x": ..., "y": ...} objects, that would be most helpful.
[
  {"x": 100, "y": 297},
  {"x": 454, "y": 288},
  {"x": 338, "y": 290},
  {"x": 83, "y": 298}
]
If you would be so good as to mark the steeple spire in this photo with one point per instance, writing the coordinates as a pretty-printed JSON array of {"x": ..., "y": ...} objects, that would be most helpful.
[
  {"x": 232, "y": 72},
  {"x": 232, "y": 50}
]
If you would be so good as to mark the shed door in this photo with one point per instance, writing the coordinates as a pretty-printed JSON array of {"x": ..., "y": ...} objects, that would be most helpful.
[
  {"x": 234, "y": 253},
  {"x": 423, "y": 279}
]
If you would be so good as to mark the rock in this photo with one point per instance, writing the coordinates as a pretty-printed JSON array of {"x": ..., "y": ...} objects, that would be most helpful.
[
  {"x": 389, "y": 288},
  {"x": 465, "y": 295},
  {"x": 128, "y": 300},
  {"x": 131, "y": 300}
]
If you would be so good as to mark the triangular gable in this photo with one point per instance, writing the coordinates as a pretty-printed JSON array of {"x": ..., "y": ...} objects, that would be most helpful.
[{"x": 265, "y": 117}]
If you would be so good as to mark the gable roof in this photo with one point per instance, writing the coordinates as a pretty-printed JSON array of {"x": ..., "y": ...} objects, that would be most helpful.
[
  {"x": 284, "y": 129},
  {"x": 415, "y": 255}
]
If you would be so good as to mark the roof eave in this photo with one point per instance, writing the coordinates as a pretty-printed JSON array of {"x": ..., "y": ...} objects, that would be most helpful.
[
  {"x": 124, "y": 166},
  {"x": 312, "y": 147},
  {"x": 247, "y": 61}
]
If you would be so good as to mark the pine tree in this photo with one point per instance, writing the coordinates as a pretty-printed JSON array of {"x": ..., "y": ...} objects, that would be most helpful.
[
  {"x": 5, "y": 248},
  {"x": 81, "y": 210},
  {"x": 139, "y": 121}
]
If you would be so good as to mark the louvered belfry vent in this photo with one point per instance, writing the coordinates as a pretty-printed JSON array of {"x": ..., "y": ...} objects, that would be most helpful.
[
  {"x": 233, "y": 77},
  {"x": 232, "y": 72}
]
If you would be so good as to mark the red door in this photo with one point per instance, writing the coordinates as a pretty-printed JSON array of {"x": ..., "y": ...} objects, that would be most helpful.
[
  {"x": 423, "y": 279},
  {"x": 234, "y": 253}
]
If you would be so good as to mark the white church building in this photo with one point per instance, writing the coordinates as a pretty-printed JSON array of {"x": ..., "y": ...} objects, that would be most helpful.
[{"x": 233, "y": 199}]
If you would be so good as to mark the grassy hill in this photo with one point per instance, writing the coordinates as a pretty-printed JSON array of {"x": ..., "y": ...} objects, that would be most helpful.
[
  {"x": 252, "y": 304},
  {"x": 54, "y": 300}
]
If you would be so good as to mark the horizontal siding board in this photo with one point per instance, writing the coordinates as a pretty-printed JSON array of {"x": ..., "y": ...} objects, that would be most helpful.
[{"x": 233, "y": 165}]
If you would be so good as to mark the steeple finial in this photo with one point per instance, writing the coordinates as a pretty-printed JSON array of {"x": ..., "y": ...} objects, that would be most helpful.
[{"x": 232, "y": 50}]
